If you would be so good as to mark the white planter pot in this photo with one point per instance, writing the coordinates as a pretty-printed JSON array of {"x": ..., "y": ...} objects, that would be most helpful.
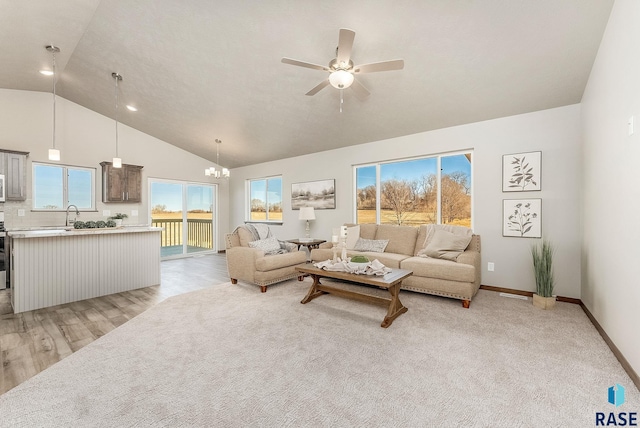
[{"x": 118, "y": 222}]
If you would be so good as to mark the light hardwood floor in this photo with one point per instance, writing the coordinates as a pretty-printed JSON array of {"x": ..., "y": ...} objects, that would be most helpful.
[{"x": 32, "y": 341}]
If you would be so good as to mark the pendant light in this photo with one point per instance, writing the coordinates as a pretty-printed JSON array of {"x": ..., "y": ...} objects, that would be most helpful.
[
  {"x": 212, "y": 171},
  {"x": 54, "y": 154},
  {"x": 117, "y": 162}
]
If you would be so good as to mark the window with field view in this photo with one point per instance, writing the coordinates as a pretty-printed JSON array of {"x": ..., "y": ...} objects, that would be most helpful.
[
  {"x": 57, "y": 186},
  {"x": 265, "y": 199},
  {"x": 434, "y": 189}
]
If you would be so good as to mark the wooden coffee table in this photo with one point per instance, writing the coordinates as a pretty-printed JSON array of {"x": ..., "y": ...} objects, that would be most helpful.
[{"x": 390, "y": 282}]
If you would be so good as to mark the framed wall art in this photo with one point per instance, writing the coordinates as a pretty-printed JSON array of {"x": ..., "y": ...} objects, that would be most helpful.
[
  {"x": 521, "y": 172},
  {"x": 321, "y": 195},
  {"x": 522, "y": 218}
]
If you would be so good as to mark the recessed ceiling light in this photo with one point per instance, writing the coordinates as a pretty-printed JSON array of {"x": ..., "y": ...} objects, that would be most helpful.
[
  {"x": 46, "y": 72},
  {"x": 132, "y": 108}
]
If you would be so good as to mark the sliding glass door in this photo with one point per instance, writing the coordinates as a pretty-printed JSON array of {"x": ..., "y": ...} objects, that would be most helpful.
[{"x": 186, "y": 211}]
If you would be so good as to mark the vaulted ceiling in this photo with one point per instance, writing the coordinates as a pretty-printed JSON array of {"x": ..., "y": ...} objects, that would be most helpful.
[{"x": 199, "y": 70}]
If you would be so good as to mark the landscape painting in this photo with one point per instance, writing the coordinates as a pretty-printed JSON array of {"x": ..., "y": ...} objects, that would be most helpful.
[{"x": 321, "y": 195}]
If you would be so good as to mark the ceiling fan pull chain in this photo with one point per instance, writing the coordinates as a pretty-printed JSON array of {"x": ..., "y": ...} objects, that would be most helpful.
[{"x": 341, "y": 99}]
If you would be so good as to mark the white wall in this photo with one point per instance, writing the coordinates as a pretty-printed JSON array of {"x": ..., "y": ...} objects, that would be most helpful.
[
  {"x": 556, "y": 132},
  {"x": 86, "y": 138},
  {"x": 611, "y": 194}
]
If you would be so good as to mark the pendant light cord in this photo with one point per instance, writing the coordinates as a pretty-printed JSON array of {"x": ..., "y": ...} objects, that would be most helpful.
[
  {"x": 54, "y": 99},
  {"x": 117, "y": 77}
]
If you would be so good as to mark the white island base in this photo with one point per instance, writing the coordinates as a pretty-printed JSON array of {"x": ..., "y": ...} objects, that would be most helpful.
[{"x": 56, "y": 267}]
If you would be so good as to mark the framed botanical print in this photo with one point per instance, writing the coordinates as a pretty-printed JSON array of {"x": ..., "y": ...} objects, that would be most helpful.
[
  {"x": 521, "y": 172},
  {"x": 522, "y": 218}
]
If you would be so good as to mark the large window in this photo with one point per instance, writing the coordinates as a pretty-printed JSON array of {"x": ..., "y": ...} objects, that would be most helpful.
[
  {"x": 57, "y": 186},
  {"x": 435, "y": 189},
  {"x": 265, "y": 199}
]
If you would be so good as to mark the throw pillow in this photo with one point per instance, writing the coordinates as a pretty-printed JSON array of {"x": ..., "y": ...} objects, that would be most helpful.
[
  {"x": 373, "y": 245},
  {"x": 353, "y": 234},
  {"x": 446, "y": 245},
  {"x": 269, "y": 245},
  {"x": 456, "y": 230}
]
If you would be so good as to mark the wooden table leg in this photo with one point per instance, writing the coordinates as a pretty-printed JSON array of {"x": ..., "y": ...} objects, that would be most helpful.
[
  {"x": 395, "y": 306},
  {"x": 313, "y": 291}
]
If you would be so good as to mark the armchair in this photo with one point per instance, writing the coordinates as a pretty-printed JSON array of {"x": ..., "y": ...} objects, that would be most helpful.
[{"x": 254, "y": 266}]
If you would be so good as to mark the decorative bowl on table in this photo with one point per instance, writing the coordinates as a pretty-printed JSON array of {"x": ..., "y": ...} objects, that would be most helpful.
[{"x": 358, "y": 262}]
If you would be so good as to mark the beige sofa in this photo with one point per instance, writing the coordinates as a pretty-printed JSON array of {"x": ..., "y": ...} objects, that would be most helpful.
[
  {"x": 458, "y": 279},
  {"x": 252, "y": 265}
]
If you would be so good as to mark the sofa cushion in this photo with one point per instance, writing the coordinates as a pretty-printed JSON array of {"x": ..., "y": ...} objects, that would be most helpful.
[
  {"x": 353, "y": 233},
  {"x": 245, "y": 236},
  {"x": 269, "y": 245},
  {"x": 368, "y": 230},
  {"x": 439, "y": 268},
  {"x": 422, "y": 236},
  {"x": 446, "y": 245},
  {"x": 372, "y": 245},
  {"x": 402, "y": 239},
  {"x": 280, "y": 261},
  {"x": 388, "y": 259}
]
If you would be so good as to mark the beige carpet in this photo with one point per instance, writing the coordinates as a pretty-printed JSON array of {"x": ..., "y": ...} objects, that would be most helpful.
[{"x": 234, "y": 357}]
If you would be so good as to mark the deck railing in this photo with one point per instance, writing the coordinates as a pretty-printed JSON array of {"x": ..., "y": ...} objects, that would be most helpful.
[{"x": 199, "y": 232}]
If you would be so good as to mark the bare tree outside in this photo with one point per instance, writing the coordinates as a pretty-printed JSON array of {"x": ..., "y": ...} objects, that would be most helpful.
[{"x": 413, "y": 199}]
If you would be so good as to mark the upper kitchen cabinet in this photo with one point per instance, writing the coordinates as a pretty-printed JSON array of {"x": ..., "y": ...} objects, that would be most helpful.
[
  {"x": 121, "y": 184},
  {"x": 13, "y": 165}
]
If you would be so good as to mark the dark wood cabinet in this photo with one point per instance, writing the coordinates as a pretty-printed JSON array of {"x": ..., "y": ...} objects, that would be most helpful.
[{"x": 121, "y": 184}]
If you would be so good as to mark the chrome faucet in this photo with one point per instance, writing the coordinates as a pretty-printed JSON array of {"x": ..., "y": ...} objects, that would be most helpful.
[{"x": 66, "y": 223}]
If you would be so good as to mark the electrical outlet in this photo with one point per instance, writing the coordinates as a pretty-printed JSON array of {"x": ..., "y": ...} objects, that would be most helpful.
[
  {"x": 490, "y": 266},
  {"x": 21, "y": 213},
  {"x": 134, "y": 213},
  {"x": 106, "y": 213}
]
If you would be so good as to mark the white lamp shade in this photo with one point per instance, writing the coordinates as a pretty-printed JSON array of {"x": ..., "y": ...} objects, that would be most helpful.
[
  {"x": 117, "y": 163},
  {"x": 54, "y": 154},
  {"x": 307, "y": 213},
  {"x": 341, "y": 79}
]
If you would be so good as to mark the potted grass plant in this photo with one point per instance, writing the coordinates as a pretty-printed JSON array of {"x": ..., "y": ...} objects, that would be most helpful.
[{"x": 543, "y": 269}]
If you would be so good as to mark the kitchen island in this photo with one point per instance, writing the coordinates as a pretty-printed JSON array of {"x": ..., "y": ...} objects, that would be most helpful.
[{"x": 50, "y": 267}]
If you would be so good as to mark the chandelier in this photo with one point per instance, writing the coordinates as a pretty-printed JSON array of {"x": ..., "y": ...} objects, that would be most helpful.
[{"x": 213, "y": 171}]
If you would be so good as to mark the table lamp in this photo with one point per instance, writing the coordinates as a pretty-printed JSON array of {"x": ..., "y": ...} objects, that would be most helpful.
[{"x": 307, "y": 213}]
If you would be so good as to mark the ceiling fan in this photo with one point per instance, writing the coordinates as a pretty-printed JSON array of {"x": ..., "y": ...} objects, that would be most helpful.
[{"x": 342, "y": 70}]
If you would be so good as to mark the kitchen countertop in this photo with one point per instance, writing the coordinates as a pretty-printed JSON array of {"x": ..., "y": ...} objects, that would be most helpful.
[{"x": 66, "y": 231}]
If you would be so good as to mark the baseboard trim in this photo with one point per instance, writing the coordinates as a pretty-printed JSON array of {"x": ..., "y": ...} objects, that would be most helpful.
[
  {"x": 528, "y": 293},
  {"x": 616, "y": 352},
  {"x": 623, "y": 361}
]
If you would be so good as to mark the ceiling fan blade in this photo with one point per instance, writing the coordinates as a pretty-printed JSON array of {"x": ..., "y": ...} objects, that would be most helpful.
[
  {"x": 360, "y": 91},
  {"x": 396, "y": 64},
  {"x": 345, "y": 44},
  {"x": 304, "y": 64},
  {"x": 318, "y": 87}
]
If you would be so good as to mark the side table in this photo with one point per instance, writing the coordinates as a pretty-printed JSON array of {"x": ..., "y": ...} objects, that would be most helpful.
[{"x": 311, "y": 244}]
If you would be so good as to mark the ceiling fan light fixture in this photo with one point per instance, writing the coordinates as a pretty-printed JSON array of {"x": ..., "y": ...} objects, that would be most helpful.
[{"x": 341, "y": 79}]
